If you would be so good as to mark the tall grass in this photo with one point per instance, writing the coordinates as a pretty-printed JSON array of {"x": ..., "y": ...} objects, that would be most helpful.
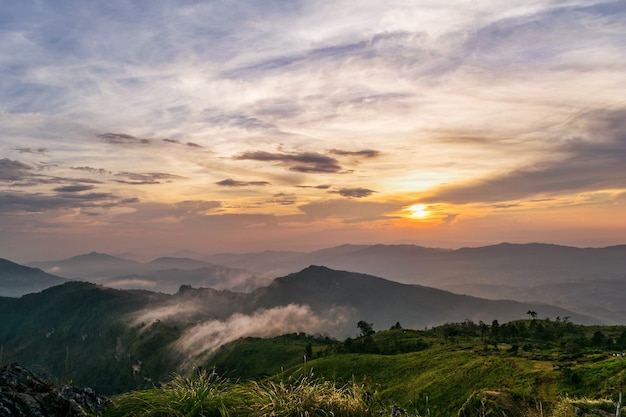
[
  {"x": 308, "y": 396},
  {"x": 207, "y": 395}
]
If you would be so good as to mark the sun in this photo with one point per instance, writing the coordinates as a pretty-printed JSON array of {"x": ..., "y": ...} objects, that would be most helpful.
[{"x": 418, "y": 210}]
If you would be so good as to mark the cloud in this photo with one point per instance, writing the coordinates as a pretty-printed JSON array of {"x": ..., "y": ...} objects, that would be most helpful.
[
  {"x": 206, "y": 337},
  {"x": 131, "y": 283},
  {"x": 32, "y": 150},
  {"x": 284, "y": 199},
  {"x": 366, "y": 153},
  {"x": 347, "y": 210},
  {"x": 73, "y": 188},
  {"x": 15, "y": 202},
  {"x": 591, "y": 162},
  {"x": 242, "y": 121},
  {"x": 122, "y": 139},
  {"x": 234, "y": 183},
  {"x": 12, "y": 170},
  {"x": 354, "y": 192},
  {"x": 319, "y": 187},
  {"x": 307, "y": 162},
  {"x": 177, "y": 142},
  {"x": 146, "y": 178},
  {"x": 196, "y": 207},
  {"x": 96, "y": 171}
]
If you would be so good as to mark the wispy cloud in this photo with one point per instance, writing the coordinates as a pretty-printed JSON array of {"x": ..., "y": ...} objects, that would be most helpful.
[
  {"x": 73, "y": 188},
  {"x": 235, "y": 183},
  {"x": 32, "y": 150},
  {"x": 207, "y": 336},
  {"x": 592, "y": 161},
  {"x": 308, "y": 162},
  {"x": 354, "y": 192},
  {"x": 178, "y": 142},
  {"x": 365, "y": 153},
  {"x": 122, "y": 139},
  {"x": 135, "y": 178},
  {"x": 95, "y": 171}
]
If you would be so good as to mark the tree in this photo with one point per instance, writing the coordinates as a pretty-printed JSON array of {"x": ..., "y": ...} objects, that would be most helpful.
[
  {"x": 532, "y": 314},
  {"x": 366, "y": 328},
  {"x": 396, "y": 326}
]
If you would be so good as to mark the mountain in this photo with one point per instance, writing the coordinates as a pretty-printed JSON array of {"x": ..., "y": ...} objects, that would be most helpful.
[
  {"x": 17, "y": 280},
  {"x": 165, "y": 274},
  {"x": 117, "y": 340},
  {"x": 90, "y": 265},
  {"x": 504, "y": 271},
  {"x": 385, "y": 302},
  {"x": 170, "y": 280}
]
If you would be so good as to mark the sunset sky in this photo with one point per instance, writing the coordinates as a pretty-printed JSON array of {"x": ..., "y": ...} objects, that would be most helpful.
[{"x": 151, "y": 126}]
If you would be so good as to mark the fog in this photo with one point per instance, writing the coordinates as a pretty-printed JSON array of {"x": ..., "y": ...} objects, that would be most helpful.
[{"x": 206, "y": 337}]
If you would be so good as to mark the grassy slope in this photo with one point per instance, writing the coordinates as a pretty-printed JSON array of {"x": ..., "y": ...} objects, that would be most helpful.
[{"x": 439, "y": 378}]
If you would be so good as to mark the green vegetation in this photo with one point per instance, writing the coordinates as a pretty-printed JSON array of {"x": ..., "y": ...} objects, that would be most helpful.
[
  {"x": 527, "y": 368},
  {"x": 207, "y": 395}
]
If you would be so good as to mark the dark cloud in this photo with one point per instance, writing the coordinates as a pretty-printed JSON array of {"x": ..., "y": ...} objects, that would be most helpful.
[
  {"x": 234, "y": 183},
  {"x": 31, "y": 150},
  {"x": 146, "y": 178},
  {"x": 284, "y": 199},
  {"x": 177, "y": 142},
  {"x": 354, "y": 192},
  {"x": 98, "y": 171},
  {"x": 308, "y": 162},
  {"x": 15, "y": 202},
  {"x": 365, "y": 153},
  {"x": 319, "y": 187},
  {"x": 122, "y": 139},
  {"x": 595, "y": 161},
  {"x": 12, "y": 170},
  {"x": 73, "y": 188}
]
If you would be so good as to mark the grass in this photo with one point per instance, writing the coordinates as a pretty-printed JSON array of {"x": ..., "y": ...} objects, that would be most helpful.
[
  {"x": 428, "y": 373},
  {"x": 207, "y": 395},
  {"x": 203, "y": 395}
]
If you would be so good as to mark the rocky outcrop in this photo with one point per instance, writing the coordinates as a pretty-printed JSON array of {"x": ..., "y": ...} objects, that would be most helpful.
[{"x": 24, "y": 394}]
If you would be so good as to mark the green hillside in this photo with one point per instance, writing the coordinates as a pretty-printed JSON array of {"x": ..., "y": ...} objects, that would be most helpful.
[{"x": 539, "y": 364}]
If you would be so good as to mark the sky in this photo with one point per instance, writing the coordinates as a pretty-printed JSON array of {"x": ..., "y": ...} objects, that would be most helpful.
[{"x": 152, "y": 127}]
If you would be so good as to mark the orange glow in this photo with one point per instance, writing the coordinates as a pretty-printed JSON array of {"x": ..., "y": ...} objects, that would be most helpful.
[{"x": 419, "y": 211}]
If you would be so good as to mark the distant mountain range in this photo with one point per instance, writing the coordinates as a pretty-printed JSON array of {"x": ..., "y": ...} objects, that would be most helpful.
[
  {"x": 164, "y": 274},
  {"x": 585, "y": 280},
  {"x": 102, "y": 334},
  {"x": 17, "y": 280}
]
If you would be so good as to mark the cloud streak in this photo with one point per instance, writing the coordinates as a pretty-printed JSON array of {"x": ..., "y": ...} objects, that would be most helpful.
[{"x": 306, "y": 162}]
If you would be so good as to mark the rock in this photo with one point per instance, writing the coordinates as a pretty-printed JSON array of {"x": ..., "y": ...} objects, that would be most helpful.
[{"x": 24, "y": 394}]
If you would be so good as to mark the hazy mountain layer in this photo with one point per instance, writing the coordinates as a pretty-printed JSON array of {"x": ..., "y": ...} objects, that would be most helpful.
[
  {"x": 585, "y": 280},
  {"x": 17, "y": 280}
]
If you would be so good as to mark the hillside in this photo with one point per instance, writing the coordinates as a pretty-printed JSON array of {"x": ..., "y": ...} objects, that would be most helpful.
[
  {"x": 435, "y": 372},
  {"x": 17, "y": 280},
  {"x": 382, "y": 301},
  {"x": 121, "y": 339}
]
